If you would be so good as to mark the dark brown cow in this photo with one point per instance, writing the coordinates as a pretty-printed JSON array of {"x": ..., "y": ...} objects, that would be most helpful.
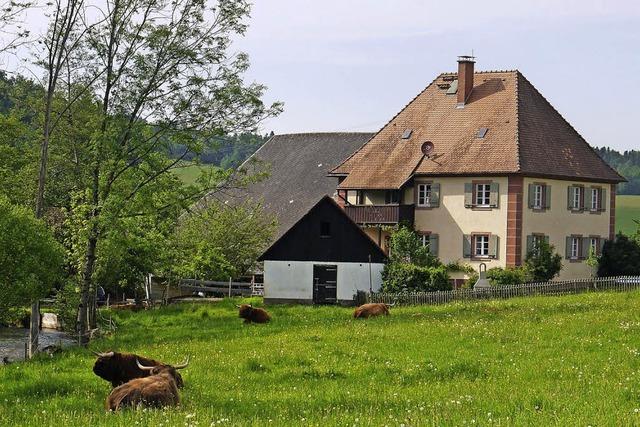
[
  {"x": 251, "y": 314},
  {"x": 372, "y": 309},
  {"x": 158, "y": 390},
  {"x": 119, "y": 368}
]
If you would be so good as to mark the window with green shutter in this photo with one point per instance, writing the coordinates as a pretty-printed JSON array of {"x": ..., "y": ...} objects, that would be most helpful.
[
  {"x": 428, "y": 195},
  {"x": 539, "y": 196},
  {"x": 481, "y": 194}
]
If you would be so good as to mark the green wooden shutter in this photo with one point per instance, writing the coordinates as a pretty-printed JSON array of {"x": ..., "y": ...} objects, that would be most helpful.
[
  {"x": 493, "y": 246},
  {"x": 466, "y": 246},
  {"x": 546, "y": 239},
  {"x": 532, "y": 199},
  {"x": 587, "y": 198},
  {"x": 495, "y": 195},
  {"x": 468, "y": 195},
  {"x": 435, "y": 195},
  {"x": 529, "y": 244},
  {"x": 547, "y": 196},
  {"x": 568, "y": 247},
  {"x": 603, "y": 200},
  {"x": 569, "y": 194},
  {"x": 600, "y": 245},
  {"x": 433, "y": 244}
]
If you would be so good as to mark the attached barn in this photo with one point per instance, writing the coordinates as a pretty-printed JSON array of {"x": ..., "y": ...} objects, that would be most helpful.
[{"x": 324, "y": 258}]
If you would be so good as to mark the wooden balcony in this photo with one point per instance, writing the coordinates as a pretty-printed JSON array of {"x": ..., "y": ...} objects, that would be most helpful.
[{"x": 380, "y": 214}]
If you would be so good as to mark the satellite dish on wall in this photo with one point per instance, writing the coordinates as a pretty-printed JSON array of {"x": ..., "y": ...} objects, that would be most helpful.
[{"x": 427, "y": 148}]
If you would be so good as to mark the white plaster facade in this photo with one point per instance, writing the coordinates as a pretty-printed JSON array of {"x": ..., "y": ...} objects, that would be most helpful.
[{"x": 293, "y": 280}]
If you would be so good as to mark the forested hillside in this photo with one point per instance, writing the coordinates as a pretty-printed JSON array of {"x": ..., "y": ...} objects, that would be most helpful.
[{"x": 627, "y": 164}]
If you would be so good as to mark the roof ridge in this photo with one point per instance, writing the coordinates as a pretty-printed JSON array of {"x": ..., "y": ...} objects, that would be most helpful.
[
  {"x": 449, "y": 73},
  {"x": 388, "y": 122},
  {"x": 580, "y": 137},
  {"x": 321, "y": 133}
]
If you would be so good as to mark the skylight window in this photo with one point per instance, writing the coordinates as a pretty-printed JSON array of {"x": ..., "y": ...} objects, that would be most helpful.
[
  {"x": 482, "y": 132},
  {"x": 453, "y": 89},
  {"x": 407, "y": 134}
]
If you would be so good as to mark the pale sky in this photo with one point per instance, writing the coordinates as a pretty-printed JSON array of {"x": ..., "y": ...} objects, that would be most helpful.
[{"x": 351, "y": 65}]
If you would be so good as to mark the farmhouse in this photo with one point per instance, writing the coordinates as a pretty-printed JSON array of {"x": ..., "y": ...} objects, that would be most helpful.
[
  {"x": 323, "y": 258},
  {"x": 483, "y": 167}
]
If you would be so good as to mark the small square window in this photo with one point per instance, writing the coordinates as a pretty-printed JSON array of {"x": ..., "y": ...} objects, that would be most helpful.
[
  {"x": 575, "y": 247},
  {"x": 483, "y": 194},
  {"x": 481, "y": 247},
  {"x": 424, "y": 194},
  {"x": 595, "y": 199},
  {"x": 537, "y": 196},
  {"x": 325, "y": 229},
  {"x": 482, "y": 132}
]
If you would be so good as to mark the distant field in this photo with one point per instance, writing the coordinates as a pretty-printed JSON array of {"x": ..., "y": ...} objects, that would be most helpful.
[
  {"x": 540, "y": 361},
  {"x": 627, "y": 209},
  {"x": 189, "y": 173}
]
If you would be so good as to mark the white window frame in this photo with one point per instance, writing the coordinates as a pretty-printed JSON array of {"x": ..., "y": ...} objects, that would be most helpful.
[
  {"x": 481, "y": 245},
  {"x": 483, "y": 194},
  {"x": 537, "y": 196},
  {"x": 593, "y": 245},
  {"x": 535, "y": 242},
  {"x": 424, "y": 194},
  {"x": 575, "y": 247},
  {"x": 595, "y": 199},
  {"x": 424, "y": 239},
  {"x": 576, "y": 196}
]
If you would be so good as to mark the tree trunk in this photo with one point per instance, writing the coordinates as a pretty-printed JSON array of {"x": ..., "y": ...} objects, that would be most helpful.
[
  {"x": 32, "y": 345},
  {"x": 84, "y": 321}
]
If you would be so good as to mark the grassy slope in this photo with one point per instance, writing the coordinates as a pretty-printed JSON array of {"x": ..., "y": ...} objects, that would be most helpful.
[
  {"x": 571, "y": 360},
  {"x": 627, "y": 209},
  {"x": 189, "y": 174}
]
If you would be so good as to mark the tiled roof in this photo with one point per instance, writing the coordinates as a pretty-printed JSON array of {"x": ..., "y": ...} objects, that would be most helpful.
[
  {"x": 525, "y": 135},
  {"x": 297, "y": 166}
]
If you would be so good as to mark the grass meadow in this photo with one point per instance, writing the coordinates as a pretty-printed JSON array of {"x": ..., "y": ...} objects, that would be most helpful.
[
  {"x": 627, "y": 209},
  {"x": 572, "y": 360}
]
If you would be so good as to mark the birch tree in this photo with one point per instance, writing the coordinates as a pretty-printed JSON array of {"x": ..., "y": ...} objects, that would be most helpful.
[{"x": 163, "y": 73}]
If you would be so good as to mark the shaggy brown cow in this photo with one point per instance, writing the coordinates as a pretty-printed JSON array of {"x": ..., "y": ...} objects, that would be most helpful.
[
  {"x": 119, "y": 368},
  {"x": 158, "y": 390},
  {"x": 372, "y": 309},
  {"x": 251, "y": 314}
]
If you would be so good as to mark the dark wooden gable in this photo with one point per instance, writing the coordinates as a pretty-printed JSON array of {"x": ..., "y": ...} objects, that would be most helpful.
[{"x": 325, "y": 234}]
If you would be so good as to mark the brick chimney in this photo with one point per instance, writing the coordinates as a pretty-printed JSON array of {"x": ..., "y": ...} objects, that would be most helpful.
[{"x": 465, "y": 78}]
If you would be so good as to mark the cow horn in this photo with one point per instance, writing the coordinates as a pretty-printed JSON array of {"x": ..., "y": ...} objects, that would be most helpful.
[
  {"x": 391, "y": 305},
  {"x": 183, "y": 364},
  {"x": 144, "y": 368},
  {"x": 109, "y": 354},
  {"x": 237, "y": 306}
]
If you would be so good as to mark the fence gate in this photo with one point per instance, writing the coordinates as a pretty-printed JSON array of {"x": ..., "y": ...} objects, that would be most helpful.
[{"x": 325, "y": 279}]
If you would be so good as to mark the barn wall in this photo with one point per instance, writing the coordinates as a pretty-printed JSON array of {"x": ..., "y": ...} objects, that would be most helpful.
[{"x": 292, "y": 281}]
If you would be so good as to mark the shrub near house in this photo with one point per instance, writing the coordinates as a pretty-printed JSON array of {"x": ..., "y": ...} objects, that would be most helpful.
[{"x": 412, "y": 267}]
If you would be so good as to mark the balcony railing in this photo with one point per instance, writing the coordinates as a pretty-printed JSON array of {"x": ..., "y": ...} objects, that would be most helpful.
[{"x": 380, "y": 214}]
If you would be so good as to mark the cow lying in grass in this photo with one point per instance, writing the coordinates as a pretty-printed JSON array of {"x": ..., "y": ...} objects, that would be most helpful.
[
  {"x": 251, "y": 314},
  {"x": 119, "y": 368},
  {"x": 158, "y": 390},
  {"x": 371, "y": 310}
]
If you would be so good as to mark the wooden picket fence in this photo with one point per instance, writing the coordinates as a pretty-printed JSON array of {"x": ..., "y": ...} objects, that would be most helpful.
[{"x": 620, "y": 283}]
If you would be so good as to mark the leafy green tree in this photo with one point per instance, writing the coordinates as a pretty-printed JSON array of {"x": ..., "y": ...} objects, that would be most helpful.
[
  {"x": 220, "y": 241},
  {"x": 620, "y": 257},
  {"x": 542, "y": 263},
  {"x": 30, "y": 258},
  {"x": 405, "y": 247}
]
